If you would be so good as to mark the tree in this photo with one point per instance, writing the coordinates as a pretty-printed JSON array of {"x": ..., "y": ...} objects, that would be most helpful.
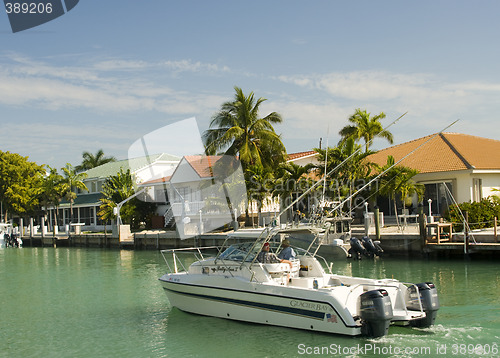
[
  {"x": 258, "y": 187},
  {"x": 72, "y": 181},
  {"x": 398, "y": 180},
  {"x": 20, "y": 184},
  {"x": 365, "y": 127},
  {"x": 238, "y": 130},
  {"x": 93, "y": 160},
  {"x": 292, "y": 179},
  {"x": 356, "y": 168},
  {"x": 116, "y": 189},
  {"x": 52, "y": 191}
]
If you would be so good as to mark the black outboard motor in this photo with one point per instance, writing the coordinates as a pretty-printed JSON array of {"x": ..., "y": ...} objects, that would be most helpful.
[
  {"x": 430, "y": 303},
  {"x": 357, "y": 249},
  {"x": 372, "y": 248},
  {"x": 14, "y": 240},
  {"x": 376, "y": 313},
  {"x": 6, "y": 238}
]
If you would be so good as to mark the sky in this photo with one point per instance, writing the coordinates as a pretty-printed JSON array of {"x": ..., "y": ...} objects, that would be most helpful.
[{"x": 107, "y": 73}]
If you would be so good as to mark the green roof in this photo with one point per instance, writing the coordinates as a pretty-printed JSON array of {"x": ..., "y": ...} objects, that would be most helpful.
[
  {"x": 83, "y": 199},
  {"x": 134, "y": 164}
]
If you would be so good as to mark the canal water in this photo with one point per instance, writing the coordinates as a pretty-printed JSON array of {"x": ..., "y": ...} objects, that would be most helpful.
[{"x": 72, "y": 302}]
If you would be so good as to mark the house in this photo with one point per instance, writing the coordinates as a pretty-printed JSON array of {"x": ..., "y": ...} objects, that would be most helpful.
[
  {"x": 86, "y": 204},
  {"x": 469, "y": 166},
  {"x": 195, "y": 197},
  {"x": 303, "y": 158},
  {"x": 185, "y": 192}
]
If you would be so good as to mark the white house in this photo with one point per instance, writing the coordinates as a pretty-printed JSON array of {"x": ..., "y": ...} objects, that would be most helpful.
[
  {"x": 468, "y": 165},
  {"x": 86, "y": 204}
]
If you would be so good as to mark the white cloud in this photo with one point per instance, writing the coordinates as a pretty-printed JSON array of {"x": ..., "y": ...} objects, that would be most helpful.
[{"x": 97, "y": 86}]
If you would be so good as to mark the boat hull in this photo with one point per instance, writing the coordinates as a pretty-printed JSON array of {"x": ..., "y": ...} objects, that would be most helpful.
[{"x": 259, "y": 303}]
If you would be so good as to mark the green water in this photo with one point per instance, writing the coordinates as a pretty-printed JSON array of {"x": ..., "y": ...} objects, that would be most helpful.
[{"x": 70, "y": 302}]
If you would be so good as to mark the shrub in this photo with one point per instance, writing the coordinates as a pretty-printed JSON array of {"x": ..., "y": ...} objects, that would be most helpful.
[{"x": 481, "y": 214}]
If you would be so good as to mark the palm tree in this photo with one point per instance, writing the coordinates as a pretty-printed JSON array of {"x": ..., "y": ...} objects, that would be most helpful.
[
  {"x": 237, "y": 129},
  {"x": 52, "y": 193},
  {"x": 258, "y": 186},
  {"x": 72, "y": 180},
  {"x": 398, "y": 181},
  {"x": 93, "y": 160},
  {"x": 292, "y": 178},
  {"x": 365, "y": 127},
  {"x": 355, "y": 169}
]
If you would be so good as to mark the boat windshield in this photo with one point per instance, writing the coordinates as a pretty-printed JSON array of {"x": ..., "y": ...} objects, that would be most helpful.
[{"x": 238, "y": 252}]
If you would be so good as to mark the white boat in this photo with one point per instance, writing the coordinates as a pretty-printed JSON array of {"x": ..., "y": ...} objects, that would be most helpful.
[
  {"x": 329, "y": 236},
  {"x": 304, "y": 294},
  {"x": 4, "y": 229}
]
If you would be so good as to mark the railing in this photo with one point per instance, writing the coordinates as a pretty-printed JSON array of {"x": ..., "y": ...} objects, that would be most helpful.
[
  {"x": 195, "y": 251},
  {"x": 188, "y": 208},
  {"x": 169, "y": 215}
]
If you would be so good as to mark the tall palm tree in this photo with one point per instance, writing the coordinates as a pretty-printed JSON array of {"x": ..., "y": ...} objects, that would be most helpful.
[
  {"x": 72, "y": 181},
  {"x": 365, "y": 127},
  {"x": 93, "y": 160},
  {"x": 237, "y": 129}
]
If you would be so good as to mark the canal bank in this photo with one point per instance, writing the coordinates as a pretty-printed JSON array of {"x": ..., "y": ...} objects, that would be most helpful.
[
  {"x": 145, "y": 240},
  {"x": 394, "y": 241}
]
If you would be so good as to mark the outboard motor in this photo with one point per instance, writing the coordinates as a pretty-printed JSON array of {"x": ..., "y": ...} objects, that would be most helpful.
[
  {"x": 357, "y": 249},
  {"x": 372, "y": 248},
  {"x": 430, "y": 303},
  {"x": 6, "y": 238},
  {"x": 376, "y": 312}
]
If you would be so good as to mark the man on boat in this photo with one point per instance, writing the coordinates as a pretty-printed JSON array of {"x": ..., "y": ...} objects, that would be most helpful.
[
  {"x": 287, "y": 253},
  {"x": 267, "y": 257}
]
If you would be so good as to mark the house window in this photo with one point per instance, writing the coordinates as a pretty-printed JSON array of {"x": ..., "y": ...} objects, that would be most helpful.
[
  {"x": 440, "y": 196},
  {"x": 87, "y": 216},
  {"x": 161, "y": 196},
  {"x": 477, "y": 189},
  {"x": 182, "y": 193}
]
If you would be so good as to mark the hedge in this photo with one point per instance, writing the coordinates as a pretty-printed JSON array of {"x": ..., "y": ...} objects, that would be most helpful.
[{"x": 481, "y": 214}]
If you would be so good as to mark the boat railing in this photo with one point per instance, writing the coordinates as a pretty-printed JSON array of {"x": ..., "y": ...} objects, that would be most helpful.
[{"x": 176, "y": 261}]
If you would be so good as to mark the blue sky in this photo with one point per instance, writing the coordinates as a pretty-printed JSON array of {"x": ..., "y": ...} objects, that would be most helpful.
[{"x": 108, "y": 72}]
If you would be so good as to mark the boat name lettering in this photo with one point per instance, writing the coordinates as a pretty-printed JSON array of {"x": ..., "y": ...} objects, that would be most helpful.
[
  {"x": 225, "y": 269},
  {"x": 311, "y": 305}
]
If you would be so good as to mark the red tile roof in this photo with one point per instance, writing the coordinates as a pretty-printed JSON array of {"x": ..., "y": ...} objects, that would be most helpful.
[
  {"x": 294, "y": 156},
  {"x": 444, "y": 152},
  {"x": 157, "y": 181},
  {"x": 203, "y": 164}
]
